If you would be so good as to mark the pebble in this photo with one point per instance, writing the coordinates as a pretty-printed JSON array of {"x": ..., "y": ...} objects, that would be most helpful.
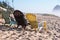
[
  {"x": 52, "y": 25},
  {"x": 58, "y": 36}
]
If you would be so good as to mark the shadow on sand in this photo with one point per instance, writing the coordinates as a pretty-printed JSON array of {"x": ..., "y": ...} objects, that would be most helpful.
[{"x": 8, "y": 28}]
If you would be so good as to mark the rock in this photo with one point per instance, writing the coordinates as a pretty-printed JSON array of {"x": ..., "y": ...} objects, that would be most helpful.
[
  {"x": 54, "y": 38},
  {"x": 2, "y": 21},
  {"x": 58, "y": 36},
  {"x": 27, "y": 38},
  {"x": 58, "y": 30},
  {"x": 55, "y": 34},
  {"x": 4, "y": 36},
  {"x": 39, "y": 39},
  {"x": 49, "y": 33},
  {"x": 11, "y": 32}
]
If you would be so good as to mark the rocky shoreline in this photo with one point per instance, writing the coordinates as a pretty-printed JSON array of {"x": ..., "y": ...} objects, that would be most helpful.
[{"x": 53, "y": 27}]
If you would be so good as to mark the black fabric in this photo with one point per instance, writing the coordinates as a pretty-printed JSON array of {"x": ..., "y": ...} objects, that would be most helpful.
[{"x": 19, "y": 17}]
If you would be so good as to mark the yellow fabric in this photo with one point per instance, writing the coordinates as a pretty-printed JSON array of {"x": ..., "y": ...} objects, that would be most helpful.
[
  {"x": 32, "y": 19},
  {"x": 45, "y": 25}
]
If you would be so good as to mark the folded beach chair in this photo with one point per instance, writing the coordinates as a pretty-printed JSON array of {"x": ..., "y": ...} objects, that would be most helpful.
[
  {"x": 32, "y": 19},
  {"x": 34, "y": 23},
  {"x": 42, "y": 24},
  {"x": 12, "y": 21}
]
